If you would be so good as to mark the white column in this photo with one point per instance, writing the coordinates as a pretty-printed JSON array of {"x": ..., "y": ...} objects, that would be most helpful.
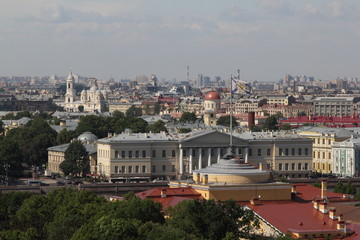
[
  {"x": 246, "y": 155},
  {"x": 200, "y": 157},
  {"x": 236, "y": 152},
  {"x": 209, "y": 157},
  {"x": 181, "y": 161},
  {"x": 218, "y": 155},
  {"x": 190, "y": 160}
]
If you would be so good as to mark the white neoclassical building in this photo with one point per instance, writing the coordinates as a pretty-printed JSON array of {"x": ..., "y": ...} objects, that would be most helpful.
[
  {"x": 92, "y": 100},
  {"x": 346, "y": 157},
  {"x": 164, "y": 155}
]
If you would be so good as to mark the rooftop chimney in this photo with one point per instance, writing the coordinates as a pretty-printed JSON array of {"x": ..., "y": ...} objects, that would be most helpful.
[
  {"x": 323, "y": 207},
  {"x": 323, "y": 188},
  {"x": 163, "y": 193},
  {"x": 341, "y": 225},
  {"x": 332, "y": 212},
  {"x": 316, "y": 203}
]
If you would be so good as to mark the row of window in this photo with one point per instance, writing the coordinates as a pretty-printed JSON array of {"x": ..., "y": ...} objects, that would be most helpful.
[
  {"x": 136, "y": 154},
  {"x": 141, "y": 169},
  {"x": 323, "y": 141},
  {"x": 321, "y": 166},
  {"x": 292, "y": 166},
  {"x": 212, "y": 152},
  {"x": 293, "y": 151},
  {"x": 323, "y": 155},
  {"x": 130, "y": 169}
]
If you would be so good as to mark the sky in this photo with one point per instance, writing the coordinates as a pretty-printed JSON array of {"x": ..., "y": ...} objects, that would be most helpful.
[{"x": 265, "y": 39}]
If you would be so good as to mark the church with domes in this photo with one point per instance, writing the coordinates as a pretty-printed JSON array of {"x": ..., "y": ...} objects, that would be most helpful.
[{"x": 92, "y": 100}]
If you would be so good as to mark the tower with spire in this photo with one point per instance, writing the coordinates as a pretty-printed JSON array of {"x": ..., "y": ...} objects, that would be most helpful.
[{"x": 70, "y": 90}]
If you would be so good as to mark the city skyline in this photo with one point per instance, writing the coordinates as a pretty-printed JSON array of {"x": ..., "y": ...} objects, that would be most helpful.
[{"x": 121, "y": 39}]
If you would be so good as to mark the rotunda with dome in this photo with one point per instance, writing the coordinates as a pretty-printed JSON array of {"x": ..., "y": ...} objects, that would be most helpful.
[{"x": 233, "y": 178}]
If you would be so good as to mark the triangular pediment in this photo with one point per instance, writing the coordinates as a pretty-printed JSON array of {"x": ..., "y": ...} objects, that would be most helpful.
[{"x": 212, "y": 139}]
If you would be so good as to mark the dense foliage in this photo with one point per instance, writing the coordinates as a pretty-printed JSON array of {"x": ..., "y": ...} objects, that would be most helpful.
[
  {"x": 70, "y": 214},
  {"x": 225, "y": 121},
  {"x": 76, "y": 162},
  {"x": 33, "y": 141},
  {"x": 188, "y": 117}
]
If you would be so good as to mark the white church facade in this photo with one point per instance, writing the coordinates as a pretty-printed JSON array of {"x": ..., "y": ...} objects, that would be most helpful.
[{"x": 92, "y": 100}]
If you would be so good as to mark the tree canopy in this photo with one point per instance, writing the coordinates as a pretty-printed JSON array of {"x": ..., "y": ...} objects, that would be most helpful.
[
  {"x": 33, "y": 141},
  {"x": 157, "y": 127},
  {"x": 76, "y": 161},
  {"x": 133, "y": 112},
  {"x": 71, "y": 214},
  {"x": 225, "y": 121},
  {"x": 188, "y": 117}
]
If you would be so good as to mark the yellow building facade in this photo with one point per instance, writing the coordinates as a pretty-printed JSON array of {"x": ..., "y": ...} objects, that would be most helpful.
[{"x": 323, "y": 139}]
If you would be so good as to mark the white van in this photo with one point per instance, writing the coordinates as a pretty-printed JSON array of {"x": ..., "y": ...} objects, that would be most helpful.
[{"x": 33, "y": 182}]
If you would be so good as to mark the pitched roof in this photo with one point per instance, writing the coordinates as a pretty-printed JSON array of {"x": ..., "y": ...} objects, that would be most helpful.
[{"x": 307, "y": 193}]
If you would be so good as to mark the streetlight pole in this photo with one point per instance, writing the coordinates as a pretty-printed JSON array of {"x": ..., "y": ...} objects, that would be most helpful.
[{"x": 6, "y": 166}]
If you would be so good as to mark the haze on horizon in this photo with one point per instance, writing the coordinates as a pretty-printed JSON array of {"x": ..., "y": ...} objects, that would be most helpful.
[{"x": 102, "y": 38}]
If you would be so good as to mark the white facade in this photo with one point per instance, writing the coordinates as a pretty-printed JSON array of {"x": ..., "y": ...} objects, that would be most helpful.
[
  {"x": 346, "y": 157},
  {"x": 92, "y": 100}
]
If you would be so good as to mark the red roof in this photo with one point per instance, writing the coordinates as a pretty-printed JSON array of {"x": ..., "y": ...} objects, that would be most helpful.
[
  {"x": 346, "y": 121},
  {"x": 295, "y": 216},
  {"x": 170, "y": 192},
  {"x": 306, "y": 192},
  {"x": 173, "y": 195},
  {"x": 212, "y": 96}
]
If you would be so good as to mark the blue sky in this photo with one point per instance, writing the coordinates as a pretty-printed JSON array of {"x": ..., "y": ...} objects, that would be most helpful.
[{"x": 101, "y": 38}]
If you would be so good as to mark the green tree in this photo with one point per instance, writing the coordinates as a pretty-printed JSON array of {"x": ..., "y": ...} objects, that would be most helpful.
[
  {"x": 10, "y": 156},
  {"x": 96, "y": 124},
  {"x": 271, "y": 123},
  {"x": 65, "y": 136},
  {"x": 157, "y": 127},
  {"x": 81, "y": 108},
  {"x": 349, "y": 188},
  {"x": 23, "y": 114},
  {"x": 108, "y": 228},
  {"x": 339, "y": 187},
  {"x": 155, "y": 231},
  {"x": 133, "y": 112},
  {"x": 118, "y": 115},
  {"x": 29, "y": 234},
  {"x": 10, "y": 203},
  {"x": 208, "y": 219},
  {"x": 76, "y": 161},
  {"x": 138, "y": 125},
  {"x": 225, "y": 121},
  {"x": 188, "y": 117},
  {"x": 285, "y": 126},
  {"x": 147, "y": 109},
  {"x": 256, "y": 128},
  {"x": 184, "y": 130},
  {"x": 156, "y": 108},
  {"x": 9, "y": 116},
  {"x": 35, "y": 212}
]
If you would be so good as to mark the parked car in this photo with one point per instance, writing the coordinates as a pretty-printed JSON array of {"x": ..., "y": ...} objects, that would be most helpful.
[{"x": 59, "y": 183}]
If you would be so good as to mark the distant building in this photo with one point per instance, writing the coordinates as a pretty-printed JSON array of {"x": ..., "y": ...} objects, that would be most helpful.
[
  {"x": 92, "y": 100},
  {"x": 336, "y": 106}
]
